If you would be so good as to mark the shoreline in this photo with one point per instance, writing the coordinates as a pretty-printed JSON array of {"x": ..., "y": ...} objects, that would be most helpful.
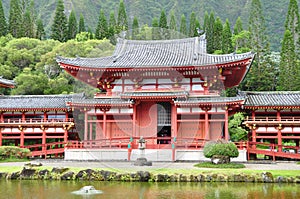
[{"x": 267, "y": 172}]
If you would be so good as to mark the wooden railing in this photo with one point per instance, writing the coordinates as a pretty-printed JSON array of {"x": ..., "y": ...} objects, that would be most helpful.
[
  {"x": 46, "y": 149},
  {"x": 273, "y": 150},
  {"x": 273, "y": 119},
  {"x": 36, "y": 120}
]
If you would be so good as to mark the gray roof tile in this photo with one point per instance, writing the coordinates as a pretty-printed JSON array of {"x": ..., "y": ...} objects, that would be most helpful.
[
  {"x": 271, "y": 99},
  {"x": 30, "y": 102},
  {"x": 157, "y": 53}
]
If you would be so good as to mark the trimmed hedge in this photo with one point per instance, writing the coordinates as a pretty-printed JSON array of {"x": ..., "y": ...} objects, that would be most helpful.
[{"x": 220, "y": 148}]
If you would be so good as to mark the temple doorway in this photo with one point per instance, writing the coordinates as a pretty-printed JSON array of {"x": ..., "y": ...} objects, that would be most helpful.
[{"x": 163, "y": 122}]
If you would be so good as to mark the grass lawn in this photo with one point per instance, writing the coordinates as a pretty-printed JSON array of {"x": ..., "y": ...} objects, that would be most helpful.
[{"x": 200, "y": 168}]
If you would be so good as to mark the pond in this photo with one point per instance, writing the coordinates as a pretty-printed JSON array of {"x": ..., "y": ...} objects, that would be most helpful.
[{"x": 115, "y": 190}]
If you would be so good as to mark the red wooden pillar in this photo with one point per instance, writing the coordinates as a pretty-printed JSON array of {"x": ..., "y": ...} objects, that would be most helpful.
[
  {"x": 23, "y": 116},
  {"x": 279, "y": 135},
  {"x": 1, "y": 117},
  {"x": 206, "y": 125},
  {"x": 279, "y": 138},
  {"x": 91, "y": 131},
  {"x": 45, "y": 116},
  {"x": 134, "y": 121},
  {"x": 0, "y": 136},
  {"x": 226, "y": 124},
  {"x": 22, "y": 138},
  {"x": 44, "y": 148},
  {"x": 85, "y": 125},
  {"x": 2, "y": 121},
  {"x": 174, "y": 121},
  {"x": 253, "y": 130},
  {"x": 104, "y": 124}
]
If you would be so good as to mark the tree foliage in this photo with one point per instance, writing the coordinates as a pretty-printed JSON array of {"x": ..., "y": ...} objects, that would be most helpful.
[
  {"x": 220, "y": 149},
  {"x": 59, "y": 28},
  {"x": 3, "y": 23}
]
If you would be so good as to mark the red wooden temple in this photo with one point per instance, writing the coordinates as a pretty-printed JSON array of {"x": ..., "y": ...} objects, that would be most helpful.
[
  {"x": 163, "y": 91},
  {"x": 167, "y": 91}
]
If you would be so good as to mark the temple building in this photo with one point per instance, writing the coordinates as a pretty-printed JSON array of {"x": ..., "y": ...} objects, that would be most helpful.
[{"x": 166, "y": 91}]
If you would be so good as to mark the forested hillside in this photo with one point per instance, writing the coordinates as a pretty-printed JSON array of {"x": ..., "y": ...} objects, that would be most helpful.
[{"x": 146, "y": 10}]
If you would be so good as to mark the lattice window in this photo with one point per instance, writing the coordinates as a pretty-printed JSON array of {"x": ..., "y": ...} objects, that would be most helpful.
[{"x": 164, "y": 114}]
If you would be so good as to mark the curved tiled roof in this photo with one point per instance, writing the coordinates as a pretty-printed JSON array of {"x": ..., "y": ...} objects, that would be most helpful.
[
  {"x": 35, "y": 102},
  {"x": 6, "y": 83},
  {"x": 272, "y": 99},
  {"x": 156, "y": 53}
]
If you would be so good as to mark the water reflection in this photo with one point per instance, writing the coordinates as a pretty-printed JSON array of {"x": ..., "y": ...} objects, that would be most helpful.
[{"x": 123, "y": 190}]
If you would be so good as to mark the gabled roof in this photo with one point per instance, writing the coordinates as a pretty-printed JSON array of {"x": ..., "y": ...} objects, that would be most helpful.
[
  {"x": 156, "y": 53},
  {"x": 276, "y": 99},
  {"x": 35, "y": 102},
  {"x": 6, "y": 83}
]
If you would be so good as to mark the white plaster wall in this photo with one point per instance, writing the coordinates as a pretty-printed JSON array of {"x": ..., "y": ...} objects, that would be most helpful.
[{"x": 150, "y": 154}]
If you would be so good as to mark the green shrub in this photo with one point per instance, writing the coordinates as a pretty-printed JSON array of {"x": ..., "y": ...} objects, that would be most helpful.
[
  {"x": 13, "y": 152},
  {"x": 220, "y": 148}
]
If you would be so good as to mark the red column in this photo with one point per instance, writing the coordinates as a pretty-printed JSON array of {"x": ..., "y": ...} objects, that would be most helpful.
[
  {"x": 279, "y": 138},
  {"x": 85, "y": 125},
  {"x": 23, "y": 116},
  {"x": 45, "y": 116},
  {"x": 104, "y": 124},
  {"x": 279, "y": 135},
  {"x": 226, "y": 124},
  {"x": 1, "y": 117},
  {"x": 134, "y": 121},
  {"x": 206, "y": 125},
  {"x": 91, "y": 131},
  {"x": 278, "y": 115},
  {"x": 0, "y": 137},
  {"x": 174, "y": 121},
  {"x": 44, "y": 140},
  {"x": 22, "y": 138}
]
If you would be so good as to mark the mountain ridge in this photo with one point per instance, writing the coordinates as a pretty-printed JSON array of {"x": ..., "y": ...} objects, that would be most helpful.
[{"x": 145, "y": 10}]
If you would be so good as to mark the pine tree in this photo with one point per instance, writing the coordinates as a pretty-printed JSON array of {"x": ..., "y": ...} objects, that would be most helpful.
[
  {"x": 163, "y": 20},
  {"x": 173, "y": 24},
  {"x": 59, "y": 27},
  {"x": 122, "y": 23},
  {"x": 289, "y": 65},
  {"x": 226, "y": 38},
  {"x": 40, "y": 31},
  {"x": 135, "y": 28},
  {"x": 238, "y": 27},
  {"x": 182, "y": 28},
  {"x": 28, "y": 25},
  {"x": 289, "y": 72},
  {"x": 15, "y": 19},
  {"x": 102, "y": 27},
  {"x": 209, "y": 22},
  {"x": 292, "y": 23},
  {"x": 3, "y": 24},
  {"x": 155, "y": 29},
  {"x": 261, "y": 76},
  {"x": 192, "y": 29},
  {"x": 81, "y": 26},
  {"x": 112, "y": 27},
  {"x": 217, "y": 35},
  {"x": 72, "y": 26}
]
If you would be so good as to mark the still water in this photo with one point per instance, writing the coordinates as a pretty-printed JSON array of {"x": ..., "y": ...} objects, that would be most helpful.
[{"x": 115, "y": 190}]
